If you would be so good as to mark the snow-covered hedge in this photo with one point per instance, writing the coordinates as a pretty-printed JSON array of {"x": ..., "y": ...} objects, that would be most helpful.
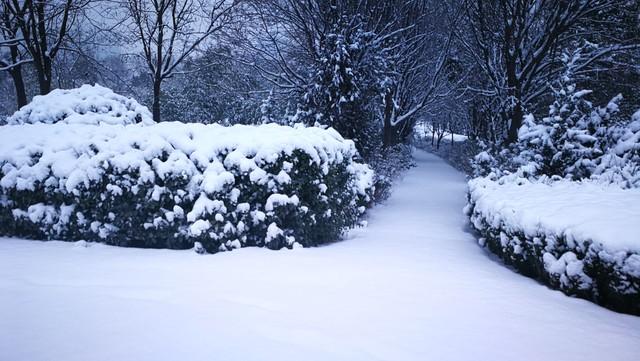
[
  {"x": 180, "y": 185},
  {"x": 581, "y": 238},
  {"x": 85, "y": 105}
]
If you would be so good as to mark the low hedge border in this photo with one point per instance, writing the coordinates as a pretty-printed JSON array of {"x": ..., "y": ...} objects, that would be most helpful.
[{"x": 583, "y": 269}]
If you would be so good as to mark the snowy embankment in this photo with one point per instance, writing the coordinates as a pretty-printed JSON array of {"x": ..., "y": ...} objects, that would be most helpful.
[
  {"x": 413, "y": 285},
  {"x": 177, "y": 185},
  {"x": 582, "y": 238}
]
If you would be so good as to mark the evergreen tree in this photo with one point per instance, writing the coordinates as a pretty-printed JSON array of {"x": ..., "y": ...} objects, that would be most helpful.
[
  {"x": 344, "y": 88},
  {"x": 568, "y": 142}
]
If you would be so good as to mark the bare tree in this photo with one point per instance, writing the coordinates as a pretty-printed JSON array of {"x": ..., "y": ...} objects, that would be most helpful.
[
  {"x": 422, "y": 72},
  {"x": 44, "y": 27},
  {"x": 169, "y": 31},
  {"x": 13, "y": 54},
  {"x": 408, "y": 41},
  {"x": 515, "y": 44}
]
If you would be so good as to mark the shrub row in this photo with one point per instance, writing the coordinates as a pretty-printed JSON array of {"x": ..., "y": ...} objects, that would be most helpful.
[
  {"x": 175, "y": 185},
  {"x": 567, "y": 261}
]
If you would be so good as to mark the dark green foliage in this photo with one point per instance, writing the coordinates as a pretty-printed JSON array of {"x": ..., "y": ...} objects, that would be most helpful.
[{"x": 122, "y": 209}]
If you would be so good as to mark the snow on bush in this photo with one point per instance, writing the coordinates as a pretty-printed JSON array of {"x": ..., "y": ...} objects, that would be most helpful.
[
  {"x": 568, "y": 142},
  {"x": 180, "y": 185},
  {"x": 581, "y": 238},
  {"x": 89, "y": 104},
  {"x": 621, "y": 164}
]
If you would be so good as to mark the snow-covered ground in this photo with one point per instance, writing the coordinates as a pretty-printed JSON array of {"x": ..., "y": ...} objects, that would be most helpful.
[
  {"x": 413, "y": 285},
  {"x": 425, "y": 131}
]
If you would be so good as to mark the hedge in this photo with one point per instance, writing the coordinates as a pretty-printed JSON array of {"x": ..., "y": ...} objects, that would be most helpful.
[
  {"x": 179, "y": 186},
  {"x": 565, "y": 258}
]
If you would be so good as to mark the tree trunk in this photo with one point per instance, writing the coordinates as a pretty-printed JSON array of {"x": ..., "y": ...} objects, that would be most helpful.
[
  {"x": 390, "y": 136},
  {"x": 46, "y": 87},
  {"x": 513, "y": 82},
  {"x": 18, "y": 83},
  {"x": 44, "y": 82},
  {"x": 516, "y": 122},
  {"x": 43, "y": 71},
  {"x": 156, "y": 101},
  {"x": 43, "y": 59},
  {"x": 388, "y": 131}
]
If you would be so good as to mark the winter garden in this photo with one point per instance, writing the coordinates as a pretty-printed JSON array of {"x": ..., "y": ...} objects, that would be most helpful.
[{"x": 319, "y": 180}]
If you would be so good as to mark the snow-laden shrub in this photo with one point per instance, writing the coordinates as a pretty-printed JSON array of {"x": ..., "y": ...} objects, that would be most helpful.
[
  {"x": 580, "y": 238},
  {"x": 621, "y": 164},
  {"x": 89, "y": 104},
  {"x": 568, "y": 142},
  {"x": 180, "y": 185},
  {"x": 576, "y": 141}
]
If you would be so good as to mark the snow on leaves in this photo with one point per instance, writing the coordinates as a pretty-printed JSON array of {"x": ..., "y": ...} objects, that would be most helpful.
[{"x": 174, "y": 184}]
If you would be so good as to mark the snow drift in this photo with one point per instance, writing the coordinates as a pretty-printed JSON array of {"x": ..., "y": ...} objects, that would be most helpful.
[
  {"x": 180, "y": 185},
  {"x": 89, "y": 104}
]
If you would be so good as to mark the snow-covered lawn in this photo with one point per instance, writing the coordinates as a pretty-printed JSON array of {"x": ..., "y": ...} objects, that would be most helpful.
[{"x": 413, "y": 285}]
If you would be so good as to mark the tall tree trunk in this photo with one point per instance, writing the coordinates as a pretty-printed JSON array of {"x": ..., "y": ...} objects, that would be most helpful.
[
  {"x": 18, "y": 83},
  {"x": 44, "y": 63},
  {"x": 513, "y": 80},
  {"x": 16, "y": 75},
  {"x": 389, "y": 137},
  {"x": 44, "y": 81},
  {"x": 156, "y": 100},
  {"x": 517, "y": 115},
  {"x": 45, "y": 88}
]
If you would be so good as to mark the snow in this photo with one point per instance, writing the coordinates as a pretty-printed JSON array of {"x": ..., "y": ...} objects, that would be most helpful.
[
  {"x": 78, "y": 154},
  {"x": 279, "y": 200},
  {"x": 605, "y": 214},
  {"x": 425, "y": 130},
  {"x": 413, "y": 285},
  {"x": 89, "y": 104}
]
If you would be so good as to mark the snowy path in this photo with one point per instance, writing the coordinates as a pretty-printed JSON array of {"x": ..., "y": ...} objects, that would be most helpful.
[{"x": 411, "y": 286}]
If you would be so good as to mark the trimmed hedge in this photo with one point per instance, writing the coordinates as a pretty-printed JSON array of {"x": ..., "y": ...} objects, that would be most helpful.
[
  {"x": 175, "y": 185},
  {"x": 582, "y": 268}
]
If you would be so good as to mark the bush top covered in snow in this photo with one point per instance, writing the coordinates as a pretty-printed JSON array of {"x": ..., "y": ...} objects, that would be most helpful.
[
  {"x": 89, "y": 104},
  {"x": 579, "y": 211},
  {"x": 79, "y": 154}
]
